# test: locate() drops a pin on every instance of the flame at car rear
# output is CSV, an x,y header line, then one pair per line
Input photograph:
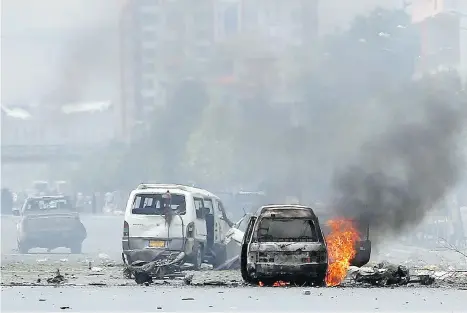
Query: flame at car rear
x,y
341,249
279,283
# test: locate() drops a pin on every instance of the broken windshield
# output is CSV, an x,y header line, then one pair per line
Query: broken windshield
x,y
287,230
158,203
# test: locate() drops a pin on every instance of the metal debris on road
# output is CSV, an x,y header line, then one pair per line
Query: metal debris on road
x,y
57,279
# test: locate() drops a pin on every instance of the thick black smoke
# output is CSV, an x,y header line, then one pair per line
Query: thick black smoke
x,y
402,174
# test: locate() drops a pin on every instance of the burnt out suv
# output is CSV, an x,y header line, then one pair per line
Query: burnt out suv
x,y
284,242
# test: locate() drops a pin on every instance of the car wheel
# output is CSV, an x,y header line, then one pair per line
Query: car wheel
x,y
76,248
319,281
23,248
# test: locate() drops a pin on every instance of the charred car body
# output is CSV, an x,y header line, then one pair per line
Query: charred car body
x,y
49,222
325,213
284,242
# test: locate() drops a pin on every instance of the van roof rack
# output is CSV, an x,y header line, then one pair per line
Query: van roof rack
x,y
162,186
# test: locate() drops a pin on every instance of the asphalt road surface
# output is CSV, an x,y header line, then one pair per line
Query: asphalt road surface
x,y
25,286
252,299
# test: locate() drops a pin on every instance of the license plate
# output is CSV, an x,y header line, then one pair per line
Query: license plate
x,y
156,244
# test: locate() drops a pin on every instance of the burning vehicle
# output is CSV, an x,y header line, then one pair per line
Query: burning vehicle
x,y
167,225
284,243
49,222
362,242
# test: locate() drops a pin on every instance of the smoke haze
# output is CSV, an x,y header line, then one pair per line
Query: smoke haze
x,y
402,174
50,50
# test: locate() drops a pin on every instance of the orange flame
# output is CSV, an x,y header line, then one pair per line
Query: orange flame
x,y
341,249
279,283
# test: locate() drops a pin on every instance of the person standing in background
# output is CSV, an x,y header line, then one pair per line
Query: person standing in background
x,y
7,201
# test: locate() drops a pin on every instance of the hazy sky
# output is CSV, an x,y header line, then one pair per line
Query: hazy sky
x,y
39,36
40,39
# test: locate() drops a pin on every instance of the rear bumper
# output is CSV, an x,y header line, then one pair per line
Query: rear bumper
x,y
48,238
137,249
272,270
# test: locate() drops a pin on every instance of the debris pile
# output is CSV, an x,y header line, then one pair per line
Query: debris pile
x,y
386,274
214,278
57,279
144,272
383,274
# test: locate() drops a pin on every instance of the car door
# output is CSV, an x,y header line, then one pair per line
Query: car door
x,y
245,243
222,225
208,203
200,223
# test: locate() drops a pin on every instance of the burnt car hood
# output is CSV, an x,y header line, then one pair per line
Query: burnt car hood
x,y
286,246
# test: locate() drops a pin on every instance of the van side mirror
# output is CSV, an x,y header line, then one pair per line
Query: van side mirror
x,y
15,212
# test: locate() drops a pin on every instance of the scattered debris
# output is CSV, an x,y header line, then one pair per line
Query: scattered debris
x,y
232,264
57,279
188,279
213,278
160,268
185,299
97,284
159,308
307,292
64,260
64,307
41,300
96,269
384,274
206,267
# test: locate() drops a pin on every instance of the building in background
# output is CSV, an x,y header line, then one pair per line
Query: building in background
x,y
444,36
161,42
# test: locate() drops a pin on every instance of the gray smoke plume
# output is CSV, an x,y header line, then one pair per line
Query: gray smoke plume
x,y
402,174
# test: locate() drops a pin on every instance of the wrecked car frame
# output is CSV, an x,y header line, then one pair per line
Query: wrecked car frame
x,y
284,242
49,222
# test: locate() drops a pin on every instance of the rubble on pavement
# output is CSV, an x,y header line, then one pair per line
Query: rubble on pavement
x,y
387,274
214,278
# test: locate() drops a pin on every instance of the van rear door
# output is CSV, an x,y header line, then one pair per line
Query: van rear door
x,y
200,222
151,214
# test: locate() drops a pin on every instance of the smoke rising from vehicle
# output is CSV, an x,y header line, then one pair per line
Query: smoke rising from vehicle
x,y
403,173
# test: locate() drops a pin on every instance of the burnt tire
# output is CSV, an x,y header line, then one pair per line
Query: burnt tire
x,y
245,275
76,248
319,281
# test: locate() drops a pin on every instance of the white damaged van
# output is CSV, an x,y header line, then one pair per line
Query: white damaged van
x,y
161,219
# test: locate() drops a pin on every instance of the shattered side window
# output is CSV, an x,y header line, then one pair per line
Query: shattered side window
x,y
156,204
287,230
